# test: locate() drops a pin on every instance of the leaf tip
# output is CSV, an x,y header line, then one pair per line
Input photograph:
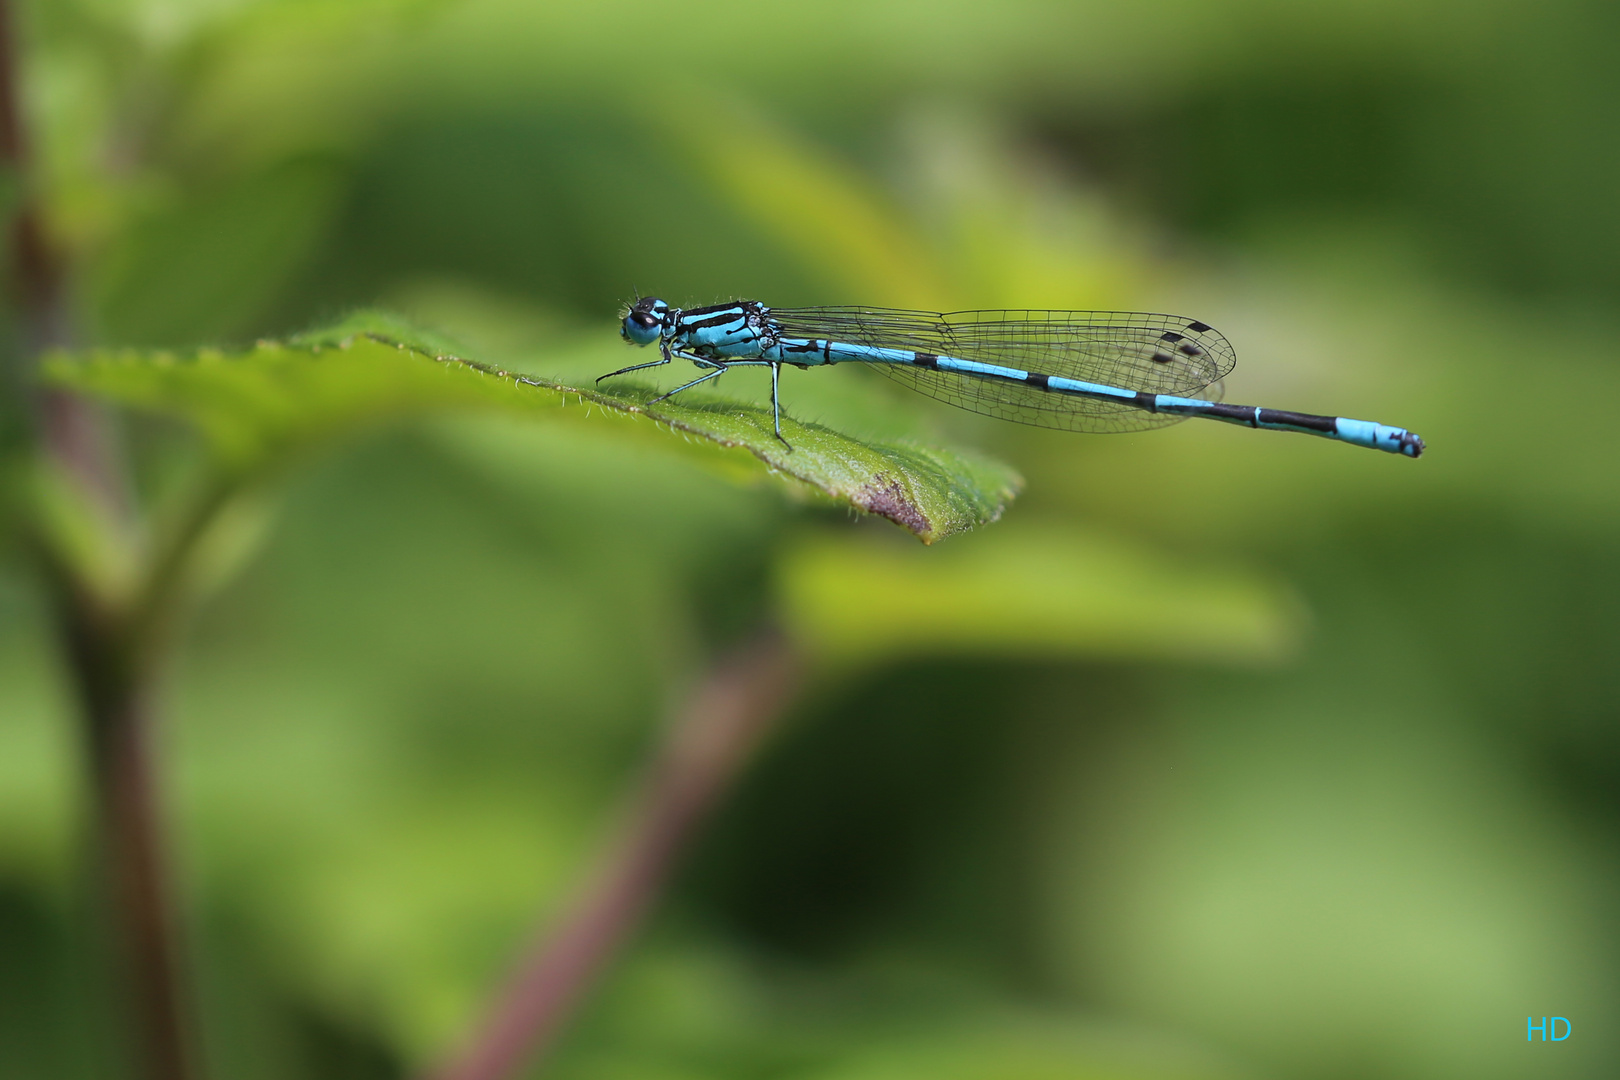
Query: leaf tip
x,y
887,497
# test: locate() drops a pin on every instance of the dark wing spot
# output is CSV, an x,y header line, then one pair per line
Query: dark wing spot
x,y
1171,336
1190,349
1162,358
1199,327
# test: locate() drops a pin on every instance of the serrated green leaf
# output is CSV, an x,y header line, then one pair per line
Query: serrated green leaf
x,y
263,405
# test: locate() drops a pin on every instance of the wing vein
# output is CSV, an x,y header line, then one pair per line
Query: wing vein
x,y
1139,351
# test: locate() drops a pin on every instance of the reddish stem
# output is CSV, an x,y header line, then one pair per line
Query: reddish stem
x,y
131,837
36,276
113,679
706,746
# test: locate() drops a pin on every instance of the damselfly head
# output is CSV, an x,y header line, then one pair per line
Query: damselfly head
x,y
645,321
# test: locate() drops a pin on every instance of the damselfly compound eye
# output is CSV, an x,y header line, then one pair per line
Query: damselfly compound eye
x,y
646,318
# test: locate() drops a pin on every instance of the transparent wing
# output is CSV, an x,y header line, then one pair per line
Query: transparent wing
x,y
1158,354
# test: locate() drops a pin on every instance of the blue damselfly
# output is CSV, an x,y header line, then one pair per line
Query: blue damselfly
x,y
1090,371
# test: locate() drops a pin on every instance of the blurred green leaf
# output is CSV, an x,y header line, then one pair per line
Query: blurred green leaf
x,y
832,218
204,268
259,407
1031,593
1029,1051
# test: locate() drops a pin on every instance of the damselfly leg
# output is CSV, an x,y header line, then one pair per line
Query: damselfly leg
x,y
634,367
719,370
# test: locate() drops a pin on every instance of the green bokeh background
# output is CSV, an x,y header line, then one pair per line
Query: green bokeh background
x,y
1225,754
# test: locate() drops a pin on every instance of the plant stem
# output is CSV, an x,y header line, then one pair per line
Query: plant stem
x,y
706,746
36,274
118,723
111,670
113,649
129,821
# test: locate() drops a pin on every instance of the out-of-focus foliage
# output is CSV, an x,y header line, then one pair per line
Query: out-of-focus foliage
x,y
1031,595
1320,778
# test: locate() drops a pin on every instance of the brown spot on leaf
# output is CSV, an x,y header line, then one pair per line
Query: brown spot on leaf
x,y
885,496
